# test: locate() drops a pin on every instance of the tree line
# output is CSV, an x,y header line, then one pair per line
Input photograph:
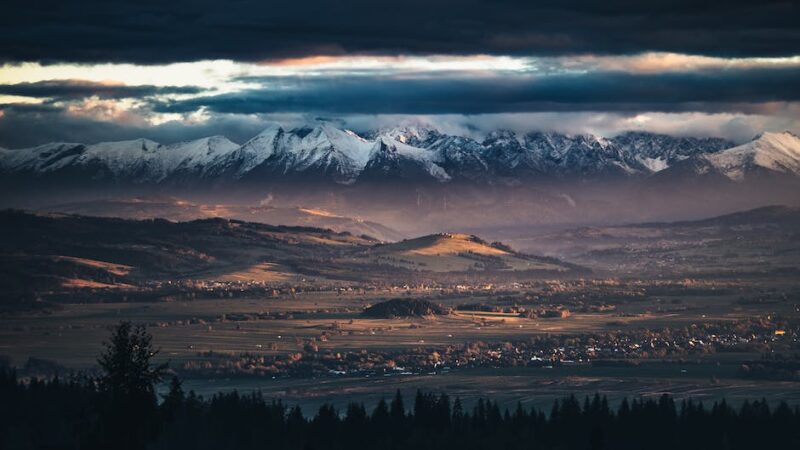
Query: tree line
x,y
121,410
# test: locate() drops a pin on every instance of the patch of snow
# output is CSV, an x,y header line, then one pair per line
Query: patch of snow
x,y
654,164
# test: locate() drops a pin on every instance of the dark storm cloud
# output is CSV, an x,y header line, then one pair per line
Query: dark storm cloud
x,y
150,31
30,125
29,108
731,90
78,89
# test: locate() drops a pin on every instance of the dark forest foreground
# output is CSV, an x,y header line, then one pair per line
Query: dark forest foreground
x,y
120,410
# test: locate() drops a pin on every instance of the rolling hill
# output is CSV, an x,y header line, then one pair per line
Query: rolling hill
x,y
45,253
177,209
762,240
453,252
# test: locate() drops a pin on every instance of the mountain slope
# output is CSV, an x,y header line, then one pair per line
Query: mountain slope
x,y
461,158
772,152
321,151
583,155
185,160
136,161
656,152
390,159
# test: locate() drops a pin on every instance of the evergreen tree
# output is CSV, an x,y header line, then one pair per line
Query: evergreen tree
x,y
128,385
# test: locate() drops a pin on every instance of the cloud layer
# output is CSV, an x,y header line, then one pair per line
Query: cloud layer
x,y
181,69
601,96
30,126
733,90
190,30
78,89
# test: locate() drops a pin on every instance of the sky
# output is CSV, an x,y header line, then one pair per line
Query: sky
x,y
102,70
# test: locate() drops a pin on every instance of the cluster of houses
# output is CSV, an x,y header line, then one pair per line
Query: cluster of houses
x,y
752,335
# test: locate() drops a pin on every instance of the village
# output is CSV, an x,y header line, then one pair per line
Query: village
x,y
761,335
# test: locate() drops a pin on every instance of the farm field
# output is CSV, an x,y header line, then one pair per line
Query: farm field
x,y
72,334
195,331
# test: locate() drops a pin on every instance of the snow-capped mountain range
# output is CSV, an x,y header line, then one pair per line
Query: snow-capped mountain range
x,y
326,152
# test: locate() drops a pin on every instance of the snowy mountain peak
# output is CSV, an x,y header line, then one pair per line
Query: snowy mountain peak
x,y
255,151
196,157
413,134
394,159
502,138
777,152
779,138
324,151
